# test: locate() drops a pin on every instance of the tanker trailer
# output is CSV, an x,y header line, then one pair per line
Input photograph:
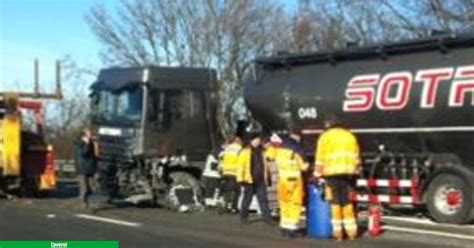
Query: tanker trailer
x,y
411,104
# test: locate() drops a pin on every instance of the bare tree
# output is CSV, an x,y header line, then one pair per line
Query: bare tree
x,y
226,35
334,23
229,34
66,118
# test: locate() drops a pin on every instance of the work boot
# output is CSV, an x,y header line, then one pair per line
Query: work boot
x,y
338,239
352,237
289,234
338,236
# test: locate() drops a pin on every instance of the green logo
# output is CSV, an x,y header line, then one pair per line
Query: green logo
x,y
59,244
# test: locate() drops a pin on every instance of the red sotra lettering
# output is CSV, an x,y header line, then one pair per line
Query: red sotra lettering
x,y
463,84
361,94
400,82
430,80
392,92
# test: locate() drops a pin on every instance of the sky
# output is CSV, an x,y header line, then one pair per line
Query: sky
x,y
47,30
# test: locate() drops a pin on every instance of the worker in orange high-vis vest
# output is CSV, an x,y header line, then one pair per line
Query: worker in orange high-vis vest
x,y
337,161
290,160
230,188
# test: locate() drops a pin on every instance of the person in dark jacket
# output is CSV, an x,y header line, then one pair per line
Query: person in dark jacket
x,y
86,164
254,175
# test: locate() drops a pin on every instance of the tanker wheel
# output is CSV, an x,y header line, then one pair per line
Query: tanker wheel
x,y
181,179
449,199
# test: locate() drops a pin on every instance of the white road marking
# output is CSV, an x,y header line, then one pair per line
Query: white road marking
x,y
426,222
108,220
435,233
50,216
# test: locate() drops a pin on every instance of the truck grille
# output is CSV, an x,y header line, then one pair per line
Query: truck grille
x,y
115,148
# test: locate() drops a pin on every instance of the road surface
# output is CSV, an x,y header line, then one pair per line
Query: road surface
x,y
61,218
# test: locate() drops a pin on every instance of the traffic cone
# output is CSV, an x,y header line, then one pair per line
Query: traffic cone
x,y
375,221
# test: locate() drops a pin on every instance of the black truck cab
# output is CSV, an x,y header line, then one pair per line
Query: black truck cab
x,y
145,117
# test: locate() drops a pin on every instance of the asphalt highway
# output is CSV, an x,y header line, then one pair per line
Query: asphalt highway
x,y
61,218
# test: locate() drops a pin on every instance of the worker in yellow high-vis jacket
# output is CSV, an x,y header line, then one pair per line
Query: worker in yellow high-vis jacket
x,y
253,173
290,160
337,160
230,188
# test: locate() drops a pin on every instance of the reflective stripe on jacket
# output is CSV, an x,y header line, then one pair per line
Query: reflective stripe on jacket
x,y
290,160
229,159
337,152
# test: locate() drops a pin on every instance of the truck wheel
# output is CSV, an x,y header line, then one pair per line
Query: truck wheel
x,y
185,180
449,199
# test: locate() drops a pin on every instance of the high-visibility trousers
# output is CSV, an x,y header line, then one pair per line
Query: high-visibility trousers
x,y
342,210
290,197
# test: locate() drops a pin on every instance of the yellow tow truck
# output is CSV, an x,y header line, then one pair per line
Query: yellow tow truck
x,y
26,160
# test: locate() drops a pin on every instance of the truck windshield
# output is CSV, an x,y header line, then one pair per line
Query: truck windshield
x,y
123,106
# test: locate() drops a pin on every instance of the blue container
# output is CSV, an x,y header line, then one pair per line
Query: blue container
x,y
318,214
